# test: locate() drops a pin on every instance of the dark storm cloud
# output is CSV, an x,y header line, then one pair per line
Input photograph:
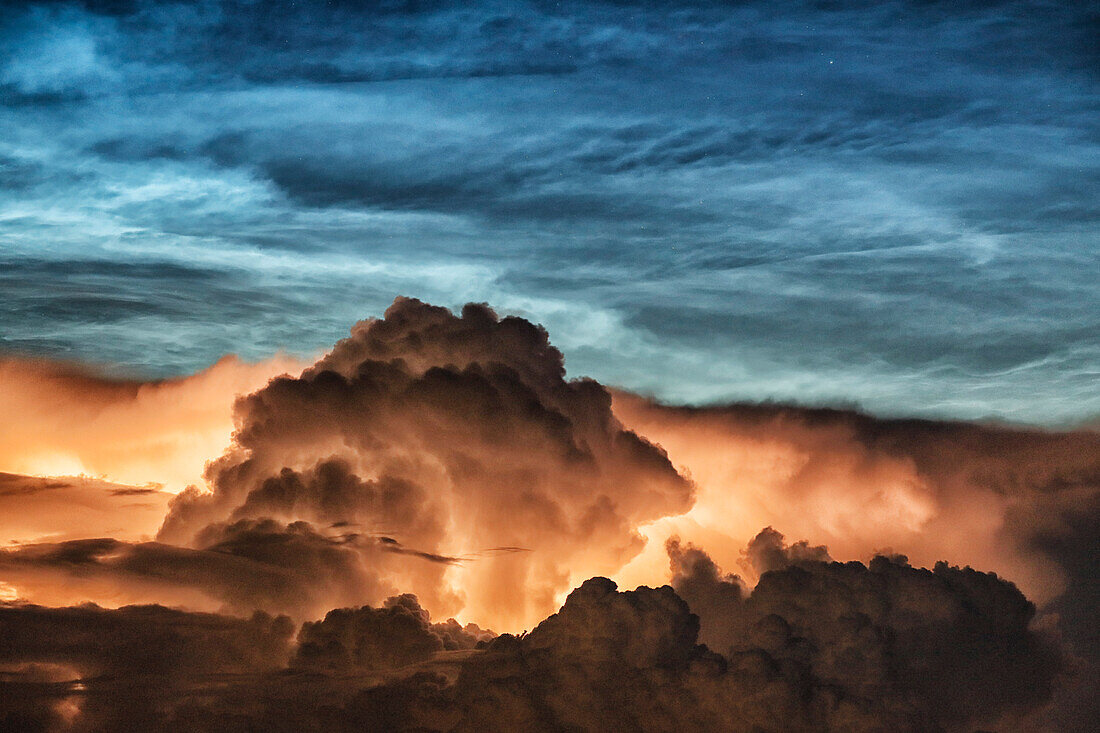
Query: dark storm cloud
x,y
396,635
851,624
86,668
816,646
246,565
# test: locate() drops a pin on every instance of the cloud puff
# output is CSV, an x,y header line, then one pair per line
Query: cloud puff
x,y
397,634
946,648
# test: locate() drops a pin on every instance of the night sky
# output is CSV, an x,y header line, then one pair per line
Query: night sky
x,y
884,204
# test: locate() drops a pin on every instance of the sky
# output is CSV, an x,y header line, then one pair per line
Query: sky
x,y
890,205
295,299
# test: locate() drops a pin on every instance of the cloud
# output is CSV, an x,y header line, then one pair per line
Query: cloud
x,y
818,646
241,566
946,648
396,635
443,462
1013,500
88,668
696,164
767,551
811,643
54,509
451,435
859,484
76,421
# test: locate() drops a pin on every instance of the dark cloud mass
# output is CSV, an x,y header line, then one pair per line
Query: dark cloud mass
x,y
241,566
816,646
890,642
396,635
88,668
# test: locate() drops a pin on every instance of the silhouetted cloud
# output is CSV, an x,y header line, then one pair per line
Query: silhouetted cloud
x,y
396,635
87,668
245,565
816,646
896,642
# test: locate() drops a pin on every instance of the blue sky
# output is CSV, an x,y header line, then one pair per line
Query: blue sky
x,y
894,205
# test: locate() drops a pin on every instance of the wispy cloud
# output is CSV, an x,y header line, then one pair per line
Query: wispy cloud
x,y
880,194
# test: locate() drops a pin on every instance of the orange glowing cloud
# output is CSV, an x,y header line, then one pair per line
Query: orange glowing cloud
x,y
447,456
67,420
861,485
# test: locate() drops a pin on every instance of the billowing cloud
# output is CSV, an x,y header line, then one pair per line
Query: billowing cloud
x,y
978,494
816,646
439,454
396,635
435,464
451,436
946,648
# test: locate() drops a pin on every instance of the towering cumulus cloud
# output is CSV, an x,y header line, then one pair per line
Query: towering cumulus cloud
x,y
427,438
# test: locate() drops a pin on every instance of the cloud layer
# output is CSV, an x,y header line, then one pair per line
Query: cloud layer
x,y
440,465
888,203
816,646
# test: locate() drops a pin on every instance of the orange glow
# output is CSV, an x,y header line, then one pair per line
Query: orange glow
x,y
69,421
820,482
813,478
